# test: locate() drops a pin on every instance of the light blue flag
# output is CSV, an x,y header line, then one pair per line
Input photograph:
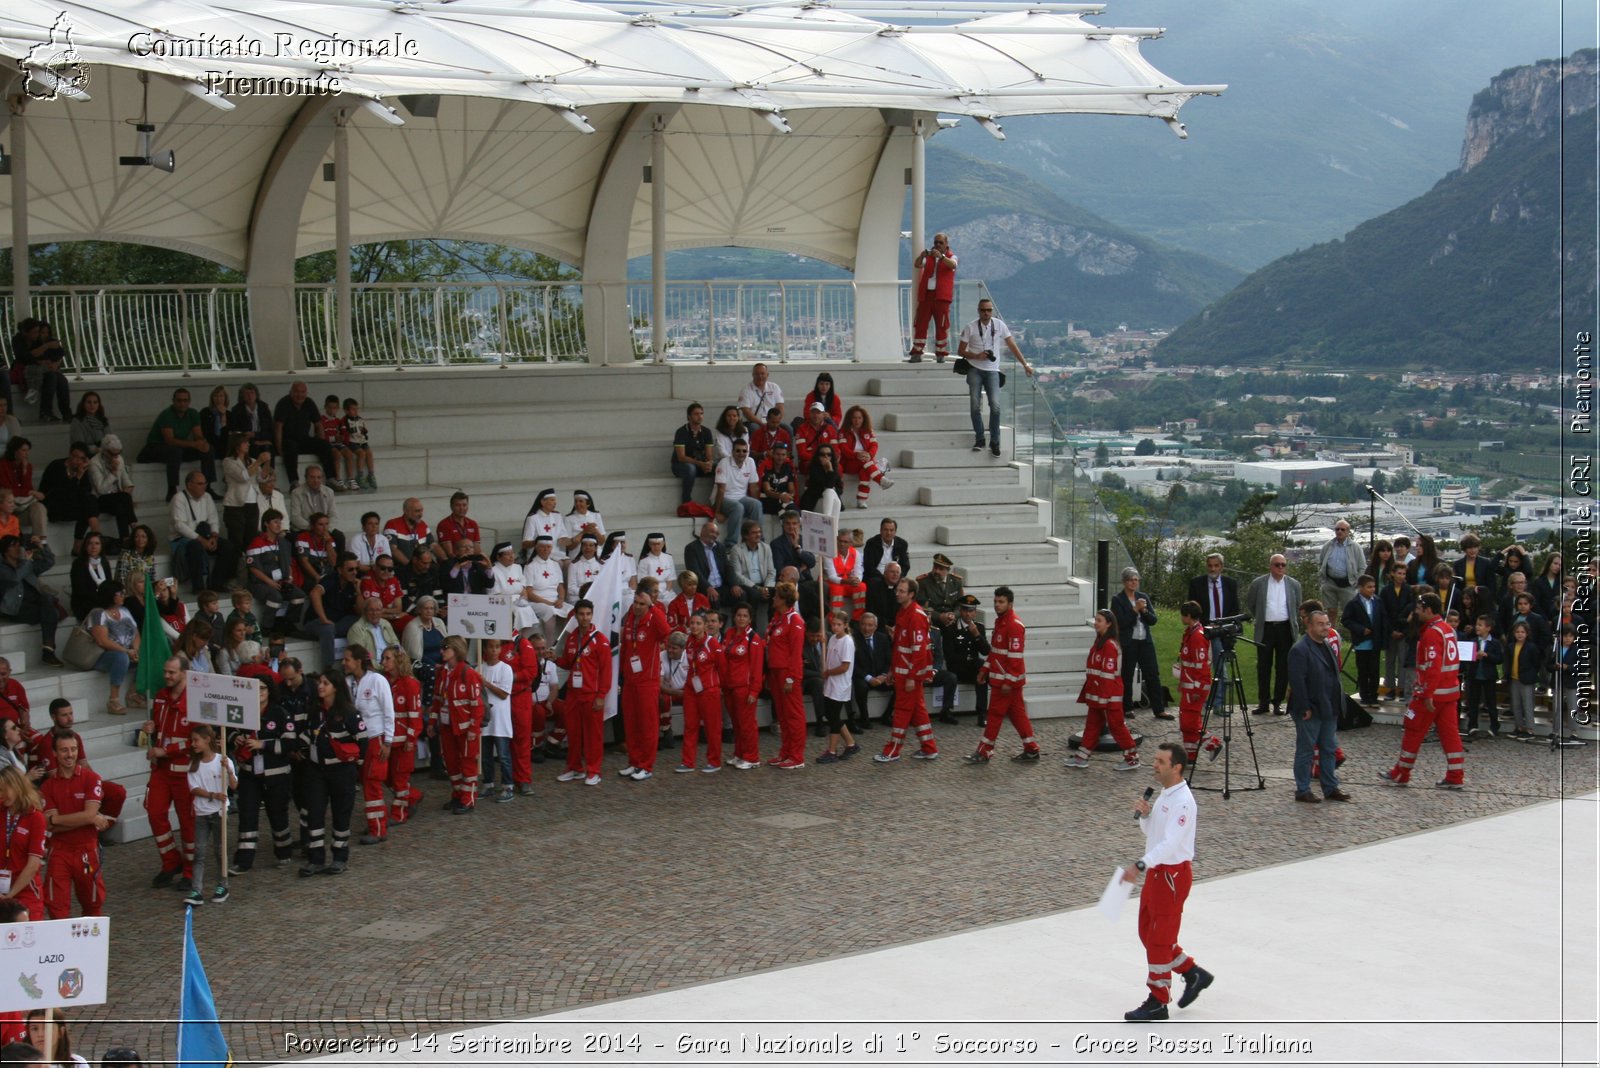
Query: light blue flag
x,y
200,1040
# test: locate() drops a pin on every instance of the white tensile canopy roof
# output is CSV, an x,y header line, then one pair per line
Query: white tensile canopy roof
x,y
534,103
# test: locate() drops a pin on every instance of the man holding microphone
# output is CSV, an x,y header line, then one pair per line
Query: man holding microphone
x,y
1169,825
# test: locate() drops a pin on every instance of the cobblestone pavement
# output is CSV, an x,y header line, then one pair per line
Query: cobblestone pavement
x,y
581,894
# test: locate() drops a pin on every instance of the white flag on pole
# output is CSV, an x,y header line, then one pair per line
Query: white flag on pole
x,y
611,597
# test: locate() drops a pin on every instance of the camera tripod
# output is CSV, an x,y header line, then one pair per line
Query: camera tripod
x,y
1227,700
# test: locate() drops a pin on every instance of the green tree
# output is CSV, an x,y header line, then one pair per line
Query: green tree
x,y
1146,447
1102,455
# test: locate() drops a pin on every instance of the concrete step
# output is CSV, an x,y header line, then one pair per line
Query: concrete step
x,y
929,380
989,533
964,459
988,490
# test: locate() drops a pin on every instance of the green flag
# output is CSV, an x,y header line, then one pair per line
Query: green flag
x,y
154,649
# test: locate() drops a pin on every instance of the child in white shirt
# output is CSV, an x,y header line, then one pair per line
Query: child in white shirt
x,y
498,680
211,777
839,664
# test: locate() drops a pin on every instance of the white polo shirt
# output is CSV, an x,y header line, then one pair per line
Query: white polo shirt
x,y
979,337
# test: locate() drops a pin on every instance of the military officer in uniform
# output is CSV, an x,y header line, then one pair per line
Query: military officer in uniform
x,y
966,647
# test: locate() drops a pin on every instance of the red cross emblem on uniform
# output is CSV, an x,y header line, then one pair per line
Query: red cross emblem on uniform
x,y
660,571
545,575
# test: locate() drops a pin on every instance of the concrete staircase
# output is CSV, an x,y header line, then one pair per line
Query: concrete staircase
x,y
502,435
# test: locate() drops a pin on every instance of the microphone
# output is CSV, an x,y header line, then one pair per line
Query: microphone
x,y
1149,792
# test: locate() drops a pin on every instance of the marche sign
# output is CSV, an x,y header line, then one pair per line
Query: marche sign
x,y
480,615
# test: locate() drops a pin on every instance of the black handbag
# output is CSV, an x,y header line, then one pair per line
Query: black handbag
x,y
961,366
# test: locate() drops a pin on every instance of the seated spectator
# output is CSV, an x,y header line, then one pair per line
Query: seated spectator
x,y
92,571
708,559
786,550
22,598
408,533
40,354
729,428
343,471
235,634
824,484
887,546
135,563
423,640
90,424
469,572
966,651
311,497
881,601
14,698
272,571
737,497
811,435
13,747
846,587
823,393
358,440
243,604
543,591
583,519
16,475
198,548
194,642
297,430
9,427
693,451
779,483
761,400
175,438
370,544
113,483
753,570
241,498
116,632
422,577
314,552
458,527
769,435
169,605
656,562
858,454
382,582
214,421
940,591
372,632
10,525
584,567
252,416
333,606
544,519
871,669
69,495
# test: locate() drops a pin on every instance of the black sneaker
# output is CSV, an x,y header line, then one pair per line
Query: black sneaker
x,y
312,869
48,655
1150,1010
336,868
1027,756
163,879
220,895
1195,980
995,448
978,446
182,883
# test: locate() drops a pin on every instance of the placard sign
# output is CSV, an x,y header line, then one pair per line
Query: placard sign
x,y
819,533
480,615
54,964
224,701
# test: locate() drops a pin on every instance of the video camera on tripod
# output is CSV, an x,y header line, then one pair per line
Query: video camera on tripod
x,y
1225,629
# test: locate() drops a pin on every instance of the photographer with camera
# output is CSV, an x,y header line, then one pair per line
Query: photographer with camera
x,y
979,340
936,289
22,598
1193,672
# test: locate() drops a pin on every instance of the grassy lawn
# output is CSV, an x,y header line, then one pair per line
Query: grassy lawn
x,y
1168,634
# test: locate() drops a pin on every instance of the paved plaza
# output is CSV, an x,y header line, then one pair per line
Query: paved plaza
x,y
579,895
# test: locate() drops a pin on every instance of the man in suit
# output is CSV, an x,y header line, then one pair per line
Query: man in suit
x,y
1273,602
1216,594
1135,616
1363,621
883,549
871,671
880,595
1314,700
708,559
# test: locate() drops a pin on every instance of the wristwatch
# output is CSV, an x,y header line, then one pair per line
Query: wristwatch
x,y
1138,866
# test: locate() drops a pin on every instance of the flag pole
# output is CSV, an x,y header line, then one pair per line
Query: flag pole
x,y
222,833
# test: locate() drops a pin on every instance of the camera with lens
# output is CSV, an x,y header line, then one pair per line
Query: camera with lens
x,y
1225,628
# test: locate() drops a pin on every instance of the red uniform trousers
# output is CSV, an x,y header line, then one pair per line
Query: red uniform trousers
x,y
1191,722
402,762
74,868
641,715
1166,888
586,744
460,749
522,735
170,789
702,710
1442,719
789,710
937,312
1002,707
1110,718
911,710
666,705
374,774
741,706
